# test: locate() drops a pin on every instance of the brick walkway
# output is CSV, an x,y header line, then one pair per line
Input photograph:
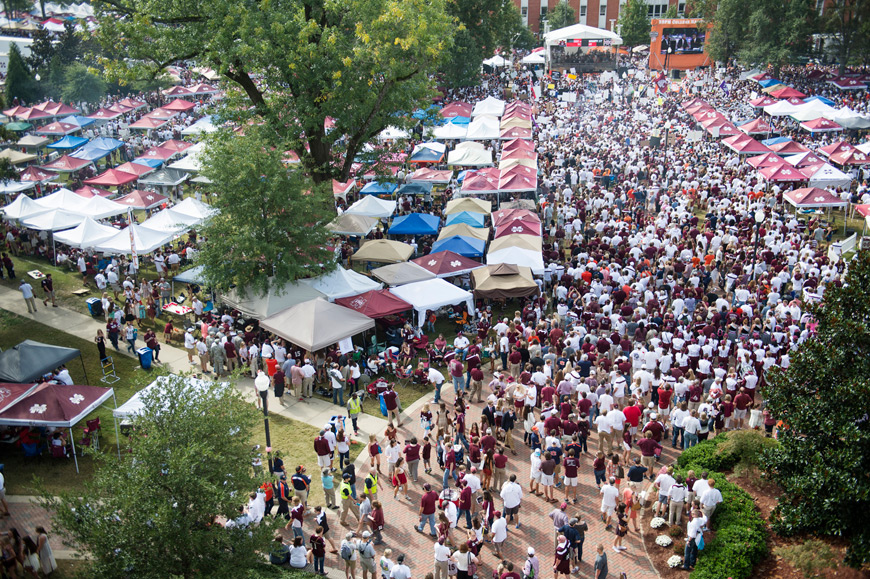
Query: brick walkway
x,y
25,515
536,529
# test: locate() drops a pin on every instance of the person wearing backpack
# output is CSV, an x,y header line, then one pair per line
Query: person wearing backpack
x,y
349,553
531,568
367,556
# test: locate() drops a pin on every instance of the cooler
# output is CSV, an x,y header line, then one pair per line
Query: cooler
x,y
95,306
146,355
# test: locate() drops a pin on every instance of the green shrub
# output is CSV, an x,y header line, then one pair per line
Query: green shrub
x,y
810,557
744,447
679,548
705,455
675,531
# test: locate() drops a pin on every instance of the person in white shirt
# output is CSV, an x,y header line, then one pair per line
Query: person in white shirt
x,y
609,496
664,482
460,345
694,533
436,378
710,499
676,500
691,426
605,431
27,294
63,376
512,496
498,531
189,344
442,554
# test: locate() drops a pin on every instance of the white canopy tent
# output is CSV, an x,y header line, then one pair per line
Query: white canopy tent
x,y
316,324
63,199
489,106
579,32
782,109
812,110
145,241
371,206
202,126
496,61
433,294
470,154
87,234
483,128
11,187
392,133
849,119
450,132
342,283
53,220
262,306
534,58
194,208
828,176
170,221
99,207
518,256
23,207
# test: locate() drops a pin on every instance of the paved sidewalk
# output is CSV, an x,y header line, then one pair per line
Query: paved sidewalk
x,y
25,515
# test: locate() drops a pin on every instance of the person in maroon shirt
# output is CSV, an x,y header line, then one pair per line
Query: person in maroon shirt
x,y
648,448
391,400
552,425
632,414
464,503
428,506
232,357
547,394
509,573
665,394
571,464
584,404
741,404
655,427
412,456
488,441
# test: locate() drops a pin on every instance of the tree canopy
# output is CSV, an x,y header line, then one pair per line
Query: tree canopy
x,y
562,15
823,401
270,229
20,81
634,24
293,63
152,514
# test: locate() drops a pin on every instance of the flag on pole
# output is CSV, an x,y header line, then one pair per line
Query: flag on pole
x,y
130,222
661,82
725,88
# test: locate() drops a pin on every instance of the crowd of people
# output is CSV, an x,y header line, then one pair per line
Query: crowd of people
x,y
663,305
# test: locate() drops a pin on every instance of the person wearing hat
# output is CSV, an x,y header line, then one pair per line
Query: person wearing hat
x,y
498,533
349,553
531,568
367,555
189,343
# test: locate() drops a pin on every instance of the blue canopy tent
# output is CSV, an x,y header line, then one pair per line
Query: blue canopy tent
x,y
91,152
472,219
424,154
68,142
431,115
460,120
415,189
79,120
107,143
153,163
461,176
377,188
822,99
770,82
415,224
775,141
461,244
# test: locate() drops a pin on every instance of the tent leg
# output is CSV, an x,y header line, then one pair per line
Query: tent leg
x,y
82,360
115,420
73,442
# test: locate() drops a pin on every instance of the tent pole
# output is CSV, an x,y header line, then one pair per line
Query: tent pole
x,y
82,360
73,442
115,420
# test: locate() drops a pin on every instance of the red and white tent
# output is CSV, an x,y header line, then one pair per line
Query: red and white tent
x,y
813,197
427,175
757,127
112,178
765,160
745,145
853,157
447,263
67,164
821,125
838,147
782,173
849,83
788,148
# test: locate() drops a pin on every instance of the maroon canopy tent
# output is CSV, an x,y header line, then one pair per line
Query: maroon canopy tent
x,y
375,303
112,178
11,393
447,263
56,405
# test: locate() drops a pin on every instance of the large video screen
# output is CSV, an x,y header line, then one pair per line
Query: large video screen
x,y
683,40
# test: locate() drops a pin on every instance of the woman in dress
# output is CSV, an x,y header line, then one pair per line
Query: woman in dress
x,y
400,479
621,528
631,504
562,562
43,548
100,340
488,467
374,452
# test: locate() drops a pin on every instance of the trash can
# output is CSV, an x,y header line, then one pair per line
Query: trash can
x,y
146,355
95,306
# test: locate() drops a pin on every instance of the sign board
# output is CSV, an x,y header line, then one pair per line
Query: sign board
x,y
345,346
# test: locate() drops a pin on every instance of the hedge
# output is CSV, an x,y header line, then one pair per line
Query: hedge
x,y
741,535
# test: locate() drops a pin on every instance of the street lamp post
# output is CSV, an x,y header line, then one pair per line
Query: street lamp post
x,y
759,219
261,382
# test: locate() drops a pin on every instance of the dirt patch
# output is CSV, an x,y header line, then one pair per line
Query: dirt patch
x,y
659,555
765,495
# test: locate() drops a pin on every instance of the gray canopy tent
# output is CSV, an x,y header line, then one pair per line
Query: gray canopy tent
x,y
29,361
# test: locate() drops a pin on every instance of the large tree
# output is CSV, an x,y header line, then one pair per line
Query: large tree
x,y
295,62
270,229
823,401
20,81
729,31
634,23
849,21
777,32
561,16
153,513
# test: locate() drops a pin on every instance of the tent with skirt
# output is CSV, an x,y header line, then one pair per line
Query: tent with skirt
x,y
375,304
29,361
503,281
813,198
58,406
316,324
341,283
432,295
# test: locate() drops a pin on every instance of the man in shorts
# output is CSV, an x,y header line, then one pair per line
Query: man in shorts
x,y
512,496
572,465
609,496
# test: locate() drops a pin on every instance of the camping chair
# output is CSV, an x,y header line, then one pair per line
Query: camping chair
x,y
377,346
92,433
421,344
59,452
209,306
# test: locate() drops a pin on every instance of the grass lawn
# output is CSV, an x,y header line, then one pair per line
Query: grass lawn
x,y
292,438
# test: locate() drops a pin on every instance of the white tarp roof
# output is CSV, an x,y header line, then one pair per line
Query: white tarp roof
x,y
849,119
170,221
812,110
194,208
342,283
829,176
23,207
63,199
518,256
261,307
496,60
489,106
144,240
16,187
87,234
316,324
371,206
469,157
392,133
431,295
534,58
781,109
203,125
450,131
53,220
581,32
483,128
99,207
